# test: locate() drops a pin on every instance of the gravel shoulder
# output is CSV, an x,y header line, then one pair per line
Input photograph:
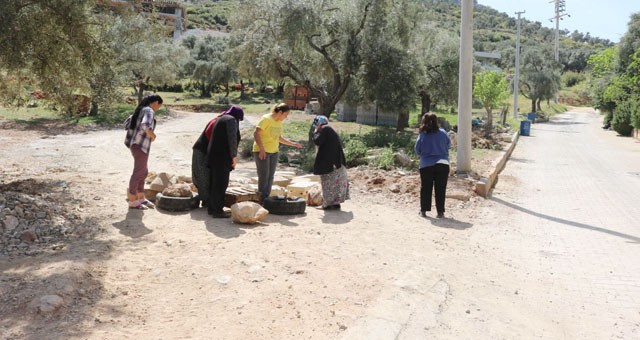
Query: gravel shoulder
x,y
121,273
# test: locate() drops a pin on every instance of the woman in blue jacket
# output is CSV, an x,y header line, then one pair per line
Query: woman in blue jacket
x,y
433,148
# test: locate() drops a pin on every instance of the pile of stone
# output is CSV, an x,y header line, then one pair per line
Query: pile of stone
x,y
34,216
169,185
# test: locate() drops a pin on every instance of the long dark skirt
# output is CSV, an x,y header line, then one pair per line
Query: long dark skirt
x,y
200,174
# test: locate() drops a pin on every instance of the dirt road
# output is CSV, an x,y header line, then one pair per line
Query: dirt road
x,y
532,262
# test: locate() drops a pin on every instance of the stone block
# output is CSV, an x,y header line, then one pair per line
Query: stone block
x,y
247,212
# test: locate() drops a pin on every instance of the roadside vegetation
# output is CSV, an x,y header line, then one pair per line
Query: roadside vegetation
x,y
400,55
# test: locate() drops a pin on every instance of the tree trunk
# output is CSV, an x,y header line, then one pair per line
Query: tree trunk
x,y
327,105
489,124
280,87
403,121
205,91
242,94
425,99
533,104
141,89
538,105
94,108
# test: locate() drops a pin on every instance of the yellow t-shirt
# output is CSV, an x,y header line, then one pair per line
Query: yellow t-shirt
x,y
270,131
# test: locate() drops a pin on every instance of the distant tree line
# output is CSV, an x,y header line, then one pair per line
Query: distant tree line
x,y
395,53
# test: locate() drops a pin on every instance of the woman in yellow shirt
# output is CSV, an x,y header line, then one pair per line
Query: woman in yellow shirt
x,y
267,139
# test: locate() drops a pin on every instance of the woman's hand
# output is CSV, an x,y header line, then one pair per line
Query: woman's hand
x,y
262,155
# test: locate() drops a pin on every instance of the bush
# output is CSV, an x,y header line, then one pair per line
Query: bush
x,y
622,116
307,159
635,113
380,138
246,146
114,115
385,160
222,100
571,78
355,152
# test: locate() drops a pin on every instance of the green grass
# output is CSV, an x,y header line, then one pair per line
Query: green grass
x,y
253,103
27,114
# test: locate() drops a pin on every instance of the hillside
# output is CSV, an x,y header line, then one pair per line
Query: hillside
x,y
494,31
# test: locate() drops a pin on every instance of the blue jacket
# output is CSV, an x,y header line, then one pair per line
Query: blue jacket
x,y
432,147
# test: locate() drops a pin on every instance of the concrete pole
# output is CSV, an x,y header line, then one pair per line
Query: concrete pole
x,y
465,88
516,78
557,38
177,32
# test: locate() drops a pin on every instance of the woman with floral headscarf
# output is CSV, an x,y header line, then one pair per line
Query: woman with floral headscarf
x,y
330,164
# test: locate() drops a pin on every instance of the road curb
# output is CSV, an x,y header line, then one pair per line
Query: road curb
x,y
484,185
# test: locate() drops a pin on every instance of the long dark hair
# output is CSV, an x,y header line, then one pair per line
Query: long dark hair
x,y
146,101
429,123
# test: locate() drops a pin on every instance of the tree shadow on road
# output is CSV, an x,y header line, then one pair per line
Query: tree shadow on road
x,y
631,238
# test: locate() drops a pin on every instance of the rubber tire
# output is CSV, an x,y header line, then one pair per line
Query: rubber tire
x,y
284,206
177,203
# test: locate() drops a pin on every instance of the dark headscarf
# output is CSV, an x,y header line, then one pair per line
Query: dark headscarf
x,y
235,111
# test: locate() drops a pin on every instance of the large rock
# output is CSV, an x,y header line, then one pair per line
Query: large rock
x,y
402,159
161,182
178,190
247,212
46,304
315,198
10,223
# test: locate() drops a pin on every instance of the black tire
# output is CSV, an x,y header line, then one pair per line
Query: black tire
x,y
284,206
176,203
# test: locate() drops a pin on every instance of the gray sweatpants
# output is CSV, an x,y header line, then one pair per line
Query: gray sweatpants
x,y
266,170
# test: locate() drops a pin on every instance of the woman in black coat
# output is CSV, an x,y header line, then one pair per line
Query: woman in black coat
x,y
330,164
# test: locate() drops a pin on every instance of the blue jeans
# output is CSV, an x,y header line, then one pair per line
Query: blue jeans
x,y
266,170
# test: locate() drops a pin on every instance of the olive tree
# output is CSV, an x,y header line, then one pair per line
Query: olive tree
x,y
436,52
52,42
207,65
490,88
143,54
540,76
317,43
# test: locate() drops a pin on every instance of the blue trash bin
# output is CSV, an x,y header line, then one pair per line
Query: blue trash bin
x,y
525,127
531,116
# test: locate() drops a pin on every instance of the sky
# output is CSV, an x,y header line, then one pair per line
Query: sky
x,y
605,19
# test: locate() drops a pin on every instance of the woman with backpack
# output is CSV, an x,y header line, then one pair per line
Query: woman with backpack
x,y
140,133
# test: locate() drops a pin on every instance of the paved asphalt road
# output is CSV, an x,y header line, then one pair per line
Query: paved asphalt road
x,y
573,191
554,254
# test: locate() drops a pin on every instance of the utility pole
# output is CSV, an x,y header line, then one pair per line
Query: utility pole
x,y
559,10
515,79
463,164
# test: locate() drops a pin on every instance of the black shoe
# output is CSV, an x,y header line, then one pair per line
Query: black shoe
x,y
440,215
422,214
221,214
336,207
